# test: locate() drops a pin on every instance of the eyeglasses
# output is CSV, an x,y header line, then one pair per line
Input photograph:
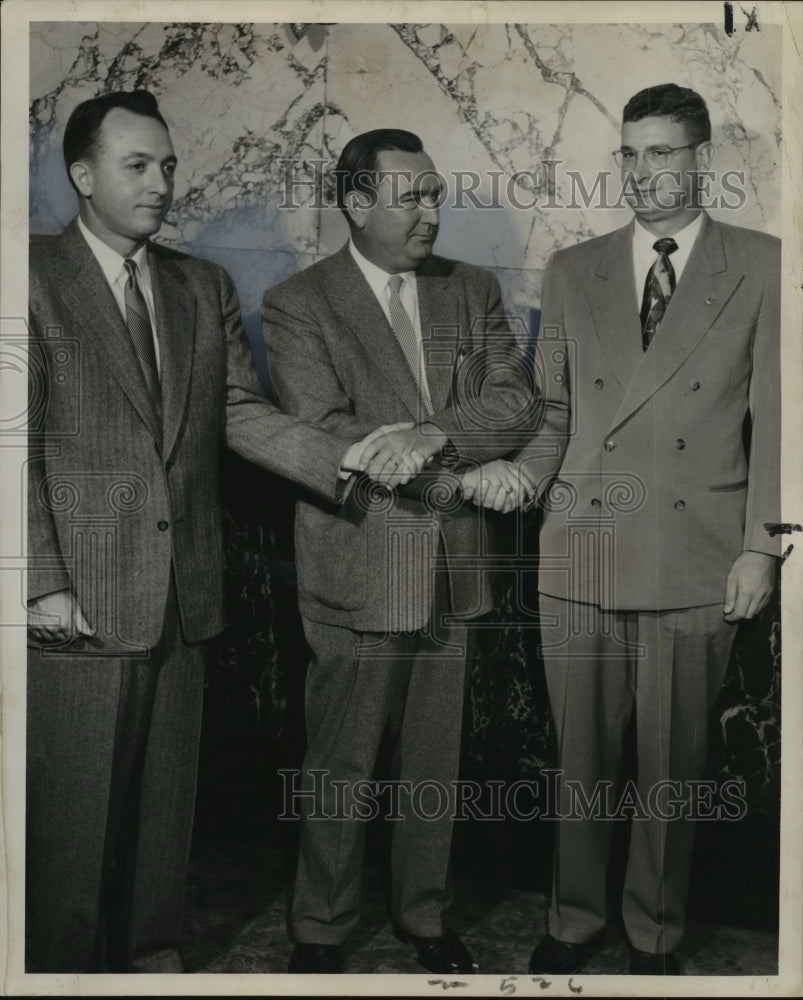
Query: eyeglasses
x,y
656,157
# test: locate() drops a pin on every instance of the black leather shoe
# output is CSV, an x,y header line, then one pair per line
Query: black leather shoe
x,y
561,958
645,963
445,954
322,958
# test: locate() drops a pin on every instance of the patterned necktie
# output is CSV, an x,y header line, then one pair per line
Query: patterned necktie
x,y
405,334
658,289
139,326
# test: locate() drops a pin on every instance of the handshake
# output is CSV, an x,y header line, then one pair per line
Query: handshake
x,y
394,454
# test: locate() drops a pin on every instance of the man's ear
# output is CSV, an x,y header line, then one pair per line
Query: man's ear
x,y
81,174
357,204
704,155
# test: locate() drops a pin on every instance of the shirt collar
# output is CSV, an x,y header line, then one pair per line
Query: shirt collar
x,y
643,239
110,261
375,276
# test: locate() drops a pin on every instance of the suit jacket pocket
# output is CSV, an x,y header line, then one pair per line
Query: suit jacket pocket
x,y
729,487
330,558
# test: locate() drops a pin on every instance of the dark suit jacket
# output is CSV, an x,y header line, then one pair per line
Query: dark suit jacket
x,y
337,363
655,495
115,500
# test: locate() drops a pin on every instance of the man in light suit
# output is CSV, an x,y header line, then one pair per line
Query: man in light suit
x,y
654,540
139,370
383,332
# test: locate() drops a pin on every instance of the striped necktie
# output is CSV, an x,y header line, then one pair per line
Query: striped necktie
x,y
405,334
139,327
658,289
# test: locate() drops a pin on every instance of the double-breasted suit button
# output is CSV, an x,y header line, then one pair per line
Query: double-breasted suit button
x,y
695,386
599,382
680,444
162,525
595,502
709,301
680,505
610,445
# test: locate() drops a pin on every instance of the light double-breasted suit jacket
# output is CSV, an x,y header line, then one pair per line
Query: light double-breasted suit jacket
x,y
115,500
336,362
654,492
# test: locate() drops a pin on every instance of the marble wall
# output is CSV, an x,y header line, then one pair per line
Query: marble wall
x,y
248,102
251,105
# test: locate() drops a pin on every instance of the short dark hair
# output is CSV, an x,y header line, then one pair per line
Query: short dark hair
x,y
671,101
356,168
83,127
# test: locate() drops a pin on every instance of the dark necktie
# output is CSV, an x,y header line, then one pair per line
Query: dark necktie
x,y
405,334
658,289
139,326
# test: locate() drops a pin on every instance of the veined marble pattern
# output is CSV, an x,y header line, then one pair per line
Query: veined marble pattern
x,y
246,100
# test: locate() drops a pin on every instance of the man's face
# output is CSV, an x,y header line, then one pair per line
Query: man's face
x,y
661,196
128,183
399,229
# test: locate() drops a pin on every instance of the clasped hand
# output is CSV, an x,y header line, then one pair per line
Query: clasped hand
x,y
395,453
499,485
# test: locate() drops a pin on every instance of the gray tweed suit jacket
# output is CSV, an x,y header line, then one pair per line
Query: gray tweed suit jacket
x,y
336,362
115,500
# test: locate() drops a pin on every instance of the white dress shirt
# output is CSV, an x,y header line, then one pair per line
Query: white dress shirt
x,y
113,267
408,294
644,256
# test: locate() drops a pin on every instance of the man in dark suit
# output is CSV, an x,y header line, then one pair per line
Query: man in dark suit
x,y
383,331
654,540
139,368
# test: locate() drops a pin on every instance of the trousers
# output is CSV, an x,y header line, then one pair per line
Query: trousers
x,y
667,667
112,757
357,683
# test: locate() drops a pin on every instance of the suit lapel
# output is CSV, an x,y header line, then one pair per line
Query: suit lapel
x,y
358,307
612,298
87,295
175,325
701,294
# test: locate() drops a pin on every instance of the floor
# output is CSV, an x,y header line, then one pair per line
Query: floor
x,y
236,923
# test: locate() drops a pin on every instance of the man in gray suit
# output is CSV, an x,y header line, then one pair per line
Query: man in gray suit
x,y
654,540
139,368
385,332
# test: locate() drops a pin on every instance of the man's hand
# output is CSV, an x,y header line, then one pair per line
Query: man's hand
x,y
751,581
498,485
354,456
397,453
57,617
